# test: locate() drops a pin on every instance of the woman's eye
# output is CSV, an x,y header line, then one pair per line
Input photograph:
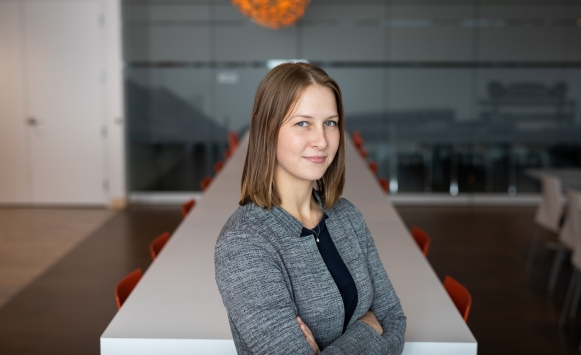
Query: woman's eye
x,y
302,124
330,123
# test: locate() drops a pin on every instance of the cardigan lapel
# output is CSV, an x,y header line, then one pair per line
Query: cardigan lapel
x,y
349,249
346,242
308,262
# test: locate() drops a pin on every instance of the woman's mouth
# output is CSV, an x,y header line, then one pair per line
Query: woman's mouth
x,y
316,160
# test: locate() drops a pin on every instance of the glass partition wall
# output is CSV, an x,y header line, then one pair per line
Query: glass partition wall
x,y
450,97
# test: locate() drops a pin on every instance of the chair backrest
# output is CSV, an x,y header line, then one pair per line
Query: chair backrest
x,y
459,295
125,286
357,139
384,185
232,140
373,167
422,239
228,153
187,207
363,152
218,166
551,208
205,183
571,229
157,244
576,258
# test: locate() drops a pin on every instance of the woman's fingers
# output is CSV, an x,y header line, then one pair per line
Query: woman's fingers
x,y
305,329
311,341
369,318
308,335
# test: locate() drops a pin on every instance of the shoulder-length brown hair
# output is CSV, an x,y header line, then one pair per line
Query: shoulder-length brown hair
x,y
276,96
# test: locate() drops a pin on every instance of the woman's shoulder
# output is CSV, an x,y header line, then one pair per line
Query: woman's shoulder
x,y
244,223
245,235
346,209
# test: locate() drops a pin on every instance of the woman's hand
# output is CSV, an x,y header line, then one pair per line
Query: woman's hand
x,y
370,319
309,336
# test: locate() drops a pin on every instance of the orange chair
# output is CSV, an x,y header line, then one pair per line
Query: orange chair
x,y
384,185
422,239
357,139
373,167
186,207
459,295
218,166
125,286
363,152
205,183
228,154
157,244
232,141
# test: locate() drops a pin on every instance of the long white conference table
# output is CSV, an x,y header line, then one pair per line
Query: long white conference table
x,y
176,307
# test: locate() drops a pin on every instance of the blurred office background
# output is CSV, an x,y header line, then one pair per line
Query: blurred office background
x,y
108,102
452,97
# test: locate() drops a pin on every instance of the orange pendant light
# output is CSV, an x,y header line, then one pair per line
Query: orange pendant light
x,y
273,13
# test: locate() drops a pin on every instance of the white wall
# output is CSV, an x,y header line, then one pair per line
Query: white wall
x,y
114,109
13,151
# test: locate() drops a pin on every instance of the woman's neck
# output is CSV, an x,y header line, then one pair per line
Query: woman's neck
x,y
299,202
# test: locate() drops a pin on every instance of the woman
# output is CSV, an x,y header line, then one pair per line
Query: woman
x,y
297,267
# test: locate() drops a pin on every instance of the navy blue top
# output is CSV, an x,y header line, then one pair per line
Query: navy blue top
x,y
336,266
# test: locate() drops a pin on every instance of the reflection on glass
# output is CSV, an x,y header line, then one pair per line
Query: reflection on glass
x,y
173,141
517,125
454,127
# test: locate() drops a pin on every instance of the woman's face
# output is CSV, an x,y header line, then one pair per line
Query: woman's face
x,y
309,137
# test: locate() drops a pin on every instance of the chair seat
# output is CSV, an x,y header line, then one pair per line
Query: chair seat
x,y
460,296
157,244
422,239
126,286
187,207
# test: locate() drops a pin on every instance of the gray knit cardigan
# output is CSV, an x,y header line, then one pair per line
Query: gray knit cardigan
x,y
268,275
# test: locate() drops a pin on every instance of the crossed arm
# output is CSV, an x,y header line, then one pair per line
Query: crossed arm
x,y
368,318
253,288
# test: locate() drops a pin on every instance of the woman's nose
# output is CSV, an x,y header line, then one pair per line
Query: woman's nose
x,y
319,138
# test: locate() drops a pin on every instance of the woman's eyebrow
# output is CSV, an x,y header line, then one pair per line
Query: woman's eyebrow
x,y
303,116
311,117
